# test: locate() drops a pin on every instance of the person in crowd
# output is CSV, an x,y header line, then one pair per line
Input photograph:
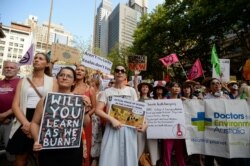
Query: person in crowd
x,y
215,88
7,91
159,91
244,92
187,92
81,88
96,127
233,87
216,92
119,145
63,156
177,144
151,145
29,91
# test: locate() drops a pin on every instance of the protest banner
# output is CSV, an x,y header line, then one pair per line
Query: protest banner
x,y
57,67
128,112
218,127
165,119
96,62
137,62
225,70
65,53
62,121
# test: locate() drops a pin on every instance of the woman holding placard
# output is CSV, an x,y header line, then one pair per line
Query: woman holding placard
x,y
177,144
69,156
28,93
119,145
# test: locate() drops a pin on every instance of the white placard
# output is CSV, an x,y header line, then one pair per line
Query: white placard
x,y
96,62
225,70
165,119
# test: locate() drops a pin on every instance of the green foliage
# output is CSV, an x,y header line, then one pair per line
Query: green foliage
x,y
119,56
189,28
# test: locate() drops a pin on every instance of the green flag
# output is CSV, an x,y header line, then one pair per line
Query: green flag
x,y
215,61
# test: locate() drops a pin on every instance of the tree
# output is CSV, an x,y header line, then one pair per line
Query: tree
x,y
189,28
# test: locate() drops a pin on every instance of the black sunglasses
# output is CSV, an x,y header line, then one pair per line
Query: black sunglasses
x,y
120,70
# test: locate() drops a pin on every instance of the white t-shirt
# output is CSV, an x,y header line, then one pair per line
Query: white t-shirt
x,y
126,92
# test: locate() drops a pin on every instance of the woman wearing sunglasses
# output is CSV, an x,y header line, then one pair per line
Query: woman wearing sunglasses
x,y
119,144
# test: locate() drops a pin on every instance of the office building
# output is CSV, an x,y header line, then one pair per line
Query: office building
x,y
102,26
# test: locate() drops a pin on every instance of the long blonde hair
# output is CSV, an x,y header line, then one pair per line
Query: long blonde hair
x,y
244,92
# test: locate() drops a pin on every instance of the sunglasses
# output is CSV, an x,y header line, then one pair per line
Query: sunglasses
x,y
120,70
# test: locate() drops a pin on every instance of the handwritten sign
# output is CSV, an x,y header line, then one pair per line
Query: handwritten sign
x,y
96,62
165,119
62,121
128,112
137,62
65,53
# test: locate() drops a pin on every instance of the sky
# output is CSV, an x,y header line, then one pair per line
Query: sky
x,y
77,16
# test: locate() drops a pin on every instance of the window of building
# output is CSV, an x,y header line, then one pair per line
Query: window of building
x,y
1,48
9,55
10,43
21,45
20,51
2,42
16,44
22,39
11,37
9,49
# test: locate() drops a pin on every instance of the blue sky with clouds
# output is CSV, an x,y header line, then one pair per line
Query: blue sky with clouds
x,y
76,15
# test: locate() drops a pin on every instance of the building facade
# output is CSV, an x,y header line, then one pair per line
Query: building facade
x,y
123,22
15,43
18,37
102,27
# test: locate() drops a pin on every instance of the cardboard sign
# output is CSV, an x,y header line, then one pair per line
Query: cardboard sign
x,y
62,121
96,62
65,53
128,112
137,62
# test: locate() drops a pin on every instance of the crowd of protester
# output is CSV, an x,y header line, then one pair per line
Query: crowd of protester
x,y
105,141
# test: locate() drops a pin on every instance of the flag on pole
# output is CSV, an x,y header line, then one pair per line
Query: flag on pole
x,y
215,61
170,59
28,56
196,71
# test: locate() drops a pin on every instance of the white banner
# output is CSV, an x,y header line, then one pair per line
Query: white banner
x,y
225,70
96,62
165,119
218,127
